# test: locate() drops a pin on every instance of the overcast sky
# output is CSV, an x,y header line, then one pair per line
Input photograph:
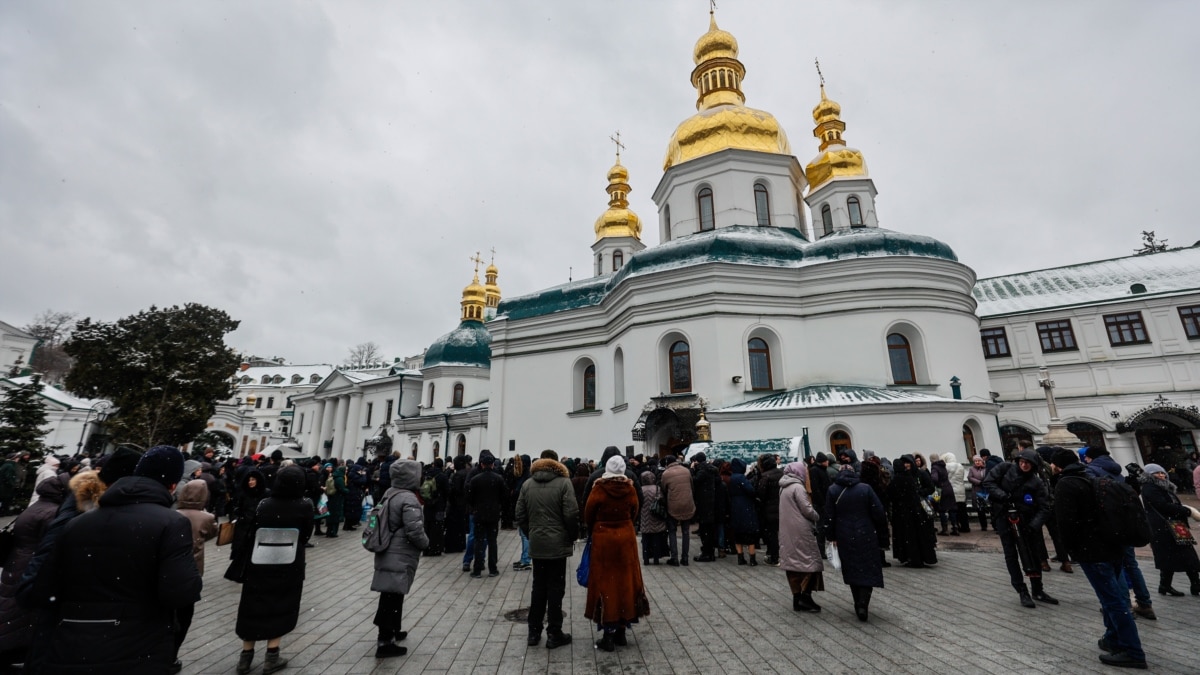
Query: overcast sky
x,y
322,171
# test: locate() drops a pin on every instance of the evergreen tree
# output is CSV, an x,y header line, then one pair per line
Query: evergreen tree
x,y
163,369
21,420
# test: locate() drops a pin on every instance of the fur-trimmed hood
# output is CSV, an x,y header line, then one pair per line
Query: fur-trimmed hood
x,y
87,487
548,469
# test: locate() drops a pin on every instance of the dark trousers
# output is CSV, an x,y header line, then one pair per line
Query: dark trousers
x,y
485,537
708,539
1012,559
964,519
183,621
685,530
549,587
770,533
388,615
982,507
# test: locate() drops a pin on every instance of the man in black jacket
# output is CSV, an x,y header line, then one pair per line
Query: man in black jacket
x,y
119,572
705,478
1020,505
1076,509
486,493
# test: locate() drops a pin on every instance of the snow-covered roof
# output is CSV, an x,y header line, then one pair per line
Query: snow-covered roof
x,y
747,450
9,329
833,395
305,371
1090,283
362,375
59,396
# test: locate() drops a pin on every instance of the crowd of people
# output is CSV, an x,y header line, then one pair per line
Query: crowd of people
x,y
106,561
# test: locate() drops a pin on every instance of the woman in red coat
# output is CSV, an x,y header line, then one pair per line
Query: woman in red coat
x,y
616,596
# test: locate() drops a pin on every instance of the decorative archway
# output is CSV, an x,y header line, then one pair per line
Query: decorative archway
x,y
668,424
1159,430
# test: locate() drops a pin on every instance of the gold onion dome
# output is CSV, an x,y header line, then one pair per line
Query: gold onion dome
x,y
835,159
618,220
722,120
474,297
491,288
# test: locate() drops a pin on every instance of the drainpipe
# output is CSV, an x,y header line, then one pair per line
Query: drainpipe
x,y
446,444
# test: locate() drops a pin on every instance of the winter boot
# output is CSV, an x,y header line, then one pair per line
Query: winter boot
x,y
796,603
741,559
388,649
556,639
1145,611
275,663
1039,593
1027,601
944,531
753,560
606,643
618,637
245,662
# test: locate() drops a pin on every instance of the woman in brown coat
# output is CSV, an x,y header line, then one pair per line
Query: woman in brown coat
x,y
616,596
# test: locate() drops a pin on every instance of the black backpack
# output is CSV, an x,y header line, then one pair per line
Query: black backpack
x,y
1120,516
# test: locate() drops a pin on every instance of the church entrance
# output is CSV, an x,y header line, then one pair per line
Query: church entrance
x,y
667,426
1164,434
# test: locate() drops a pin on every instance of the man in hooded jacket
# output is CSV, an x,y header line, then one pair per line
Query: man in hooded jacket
x,y
1020,506
548,513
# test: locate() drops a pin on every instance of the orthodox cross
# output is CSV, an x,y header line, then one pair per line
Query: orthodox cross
x,y
819,75
477,260
712,6
493,255
620,146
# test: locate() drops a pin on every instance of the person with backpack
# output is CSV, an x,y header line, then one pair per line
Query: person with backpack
x,y
1020,505
401,526
1086,537
1099,463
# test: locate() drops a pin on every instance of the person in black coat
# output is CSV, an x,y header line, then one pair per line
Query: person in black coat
x,y
706,489
118,574
1020,506
252,490
435,507
854,518
819,479
356,491
486,493
768,499
270,602
455,540
1162,507
913,540
873,477
16,622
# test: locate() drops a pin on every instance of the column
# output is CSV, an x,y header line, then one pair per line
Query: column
x,y
339,425
326,426
353,427
315,429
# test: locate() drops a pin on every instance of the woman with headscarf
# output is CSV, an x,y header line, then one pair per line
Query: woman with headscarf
x,y
913,540
975,476
455,540
1163,507
396,567
654,529
270,603
854,517
799,555
947,508
616,596
521,464
873,477
743,512
251,490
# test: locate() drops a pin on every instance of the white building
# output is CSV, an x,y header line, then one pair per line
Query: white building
x,y
16,348
859,335
1121,341
72,423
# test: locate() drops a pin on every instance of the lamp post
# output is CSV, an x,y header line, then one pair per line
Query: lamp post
x,y
100,408
1057,433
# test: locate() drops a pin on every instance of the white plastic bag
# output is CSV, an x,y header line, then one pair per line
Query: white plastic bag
x,y
831,552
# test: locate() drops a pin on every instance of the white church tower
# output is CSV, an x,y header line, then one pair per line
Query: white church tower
x,y
842,195
618,230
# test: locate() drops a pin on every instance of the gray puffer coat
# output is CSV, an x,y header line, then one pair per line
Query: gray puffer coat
x,y
548,512
396,567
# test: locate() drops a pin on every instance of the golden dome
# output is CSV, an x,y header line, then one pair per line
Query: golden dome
x,y
618,220
491,270
473,299
491,289
835,159
722,120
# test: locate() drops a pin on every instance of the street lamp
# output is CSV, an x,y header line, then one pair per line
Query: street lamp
x,y
100,408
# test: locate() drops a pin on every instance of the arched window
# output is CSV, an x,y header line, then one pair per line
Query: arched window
x,y
599,263
760,364
462,444
855,211
414,449
296,379
667,223
762,205
458,395
245,380
266,379
619,377
430,395
681,368
839,440
437,449
315,379
827,219
704,200
900,356
589,388
969,442
278,379
618,260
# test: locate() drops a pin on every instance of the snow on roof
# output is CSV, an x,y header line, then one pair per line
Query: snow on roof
x,y
1089,283
363,375
747,450
59,396
9,329
833,395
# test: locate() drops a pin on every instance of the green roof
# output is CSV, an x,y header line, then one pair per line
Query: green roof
x,y
467,345
736,245
747,450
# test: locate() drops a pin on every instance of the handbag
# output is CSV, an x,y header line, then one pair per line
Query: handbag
x,y
1181,532
831,552
658,508
275,546
225,533
322,507
585,565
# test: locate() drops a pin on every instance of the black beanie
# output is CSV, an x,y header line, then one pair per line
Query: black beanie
x,y
163,463
1095,453
119,465
550,454
486,457
1062,458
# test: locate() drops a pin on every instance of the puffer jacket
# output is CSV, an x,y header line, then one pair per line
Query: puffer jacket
x,y
396,567
957,476
676,482
798,551
1006,484
547,511
649,523
191,504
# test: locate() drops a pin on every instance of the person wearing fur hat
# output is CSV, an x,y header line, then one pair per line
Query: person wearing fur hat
x,y
1020,506
486,493
616,595
1164,511
548,513
120,572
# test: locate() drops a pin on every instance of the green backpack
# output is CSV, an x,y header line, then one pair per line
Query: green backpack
x,y
429,489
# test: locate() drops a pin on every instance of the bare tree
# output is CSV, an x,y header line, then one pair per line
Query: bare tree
x,y
1151,244
53,329
363,354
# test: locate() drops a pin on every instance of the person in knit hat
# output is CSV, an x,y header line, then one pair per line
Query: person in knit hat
x,y
135,553
486,493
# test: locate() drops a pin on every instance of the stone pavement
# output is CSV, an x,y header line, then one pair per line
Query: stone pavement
x,y
959,617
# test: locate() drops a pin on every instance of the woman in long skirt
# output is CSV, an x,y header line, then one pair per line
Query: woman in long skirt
x,y
854,517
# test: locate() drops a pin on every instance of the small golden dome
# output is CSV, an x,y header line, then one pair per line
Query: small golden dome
x,y
492,270
618,220
474,298
715,43
835,159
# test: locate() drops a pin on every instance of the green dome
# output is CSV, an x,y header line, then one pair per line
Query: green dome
x,y
869,242
467,345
